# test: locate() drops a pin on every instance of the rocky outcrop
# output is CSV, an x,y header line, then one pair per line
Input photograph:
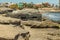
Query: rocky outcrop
x,y
42,24
28,14
8,20
11,29
54,35
25,11
9,32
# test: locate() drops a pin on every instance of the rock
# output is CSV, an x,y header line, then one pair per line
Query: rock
x,y
18,12
5,39
49,24
4,10
42,24
55,33
30,23
53,38
9,32
26,14
8,20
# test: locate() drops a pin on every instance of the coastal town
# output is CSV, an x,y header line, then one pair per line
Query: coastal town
x,y
29,21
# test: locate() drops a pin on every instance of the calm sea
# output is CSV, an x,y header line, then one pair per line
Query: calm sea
x,y
52,16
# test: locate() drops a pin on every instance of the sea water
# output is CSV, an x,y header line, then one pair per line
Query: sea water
x,y
52,16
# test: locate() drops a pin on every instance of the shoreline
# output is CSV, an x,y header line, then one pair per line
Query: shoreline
x,y
52,10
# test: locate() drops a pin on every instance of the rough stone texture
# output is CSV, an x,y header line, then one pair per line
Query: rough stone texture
x,y
44,33
27,12
42,24
8,20
11,32
11,29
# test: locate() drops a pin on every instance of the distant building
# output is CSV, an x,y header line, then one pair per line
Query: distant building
x,y
46,4
38,5
21,5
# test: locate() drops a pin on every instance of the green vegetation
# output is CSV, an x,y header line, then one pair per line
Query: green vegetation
x,y
30,5
20,5
14,6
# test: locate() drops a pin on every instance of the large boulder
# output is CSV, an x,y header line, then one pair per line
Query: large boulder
x,y
4,10
17,13
30,23
42,24
9,32
8,20
49,24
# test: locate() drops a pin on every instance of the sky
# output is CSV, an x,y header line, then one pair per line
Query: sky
x,y
34,1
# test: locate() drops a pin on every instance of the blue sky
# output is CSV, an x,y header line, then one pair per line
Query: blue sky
x,y
34,1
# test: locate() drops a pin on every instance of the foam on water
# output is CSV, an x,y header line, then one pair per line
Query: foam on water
x,y
52,16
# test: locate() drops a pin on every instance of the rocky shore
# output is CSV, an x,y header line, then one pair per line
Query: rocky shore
x,y
14,28
11,29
